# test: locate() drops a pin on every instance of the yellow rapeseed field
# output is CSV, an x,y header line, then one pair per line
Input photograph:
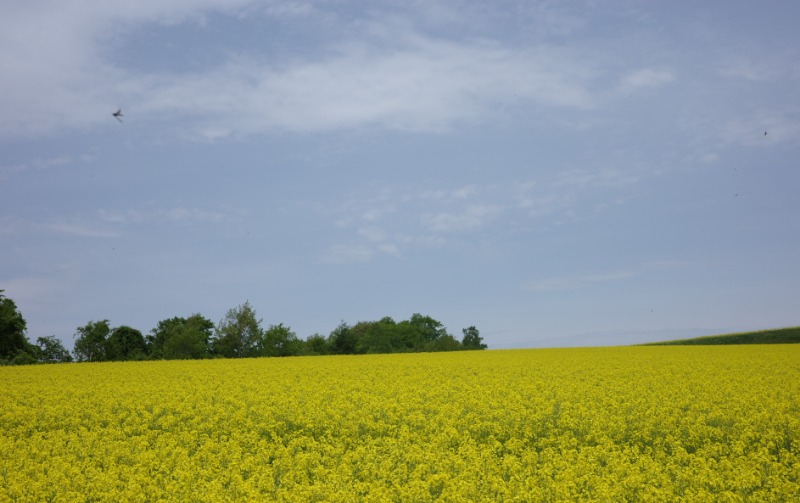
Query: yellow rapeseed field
x,y
718,423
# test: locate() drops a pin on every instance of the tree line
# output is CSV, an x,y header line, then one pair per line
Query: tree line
x,y
240,334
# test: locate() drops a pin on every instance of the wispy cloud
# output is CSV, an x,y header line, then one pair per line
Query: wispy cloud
x,y
748,128
343,253
110,223
467,218
395,220
385,73
575,282
763,68
597,177
578,281
60,57
81,229
646,78
43,163
177,214
425,84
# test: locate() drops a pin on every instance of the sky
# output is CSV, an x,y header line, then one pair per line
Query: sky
x,y
553,173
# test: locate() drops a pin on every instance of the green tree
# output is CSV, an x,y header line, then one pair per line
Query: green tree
x,y
427,332
472,338
377,336
279,340
191,339
125,343
342,340
26,357
12,329
181,338
238,334
316,344
90,341
52,351
446,343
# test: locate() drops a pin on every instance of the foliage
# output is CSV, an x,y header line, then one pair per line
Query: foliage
x,y
446,342
342,340
377,336
315,344
125,343
279,340
472,338
90,341
239,334
12,329
52,351
789,335
181,338
426,331
598,424
419,333
25,357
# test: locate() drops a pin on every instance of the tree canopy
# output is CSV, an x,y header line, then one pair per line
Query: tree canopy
x,y
91,341
181,338
239,334
12,329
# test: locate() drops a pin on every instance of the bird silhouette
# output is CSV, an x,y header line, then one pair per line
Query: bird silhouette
x,y
118,114
765,133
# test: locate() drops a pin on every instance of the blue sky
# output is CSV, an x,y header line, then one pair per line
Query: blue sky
x,y
555,173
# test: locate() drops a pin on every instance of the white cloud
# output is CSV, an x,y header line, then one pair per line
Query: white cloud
x,y
397,219
374,234
345,253
710,157
470,218
386,75
449,194
748,129
290,9
105,223
763,68
572,282
35,165
56,62
88,230
575,282
537,201
646,77
178,214
598,177
426,85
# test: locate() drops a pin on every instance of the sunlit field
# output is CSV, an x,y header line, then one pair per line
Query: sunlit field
x,y
692,423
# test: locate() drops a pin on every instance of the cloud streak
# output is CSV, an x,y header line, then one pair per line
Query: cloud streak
x,y
575,282
646,77
386,75
425,85
113,223
581,281
395,220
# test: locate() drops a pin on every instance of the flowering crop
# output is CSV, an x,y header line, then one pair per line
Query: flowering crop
x,y
607,424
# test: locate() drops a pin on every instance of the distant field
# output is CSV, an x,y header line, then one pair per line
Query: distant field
x,y
777,336
604,424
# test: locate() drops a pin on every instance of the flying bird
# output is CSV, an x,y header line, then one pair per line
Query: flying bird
x,y
118,114
765,133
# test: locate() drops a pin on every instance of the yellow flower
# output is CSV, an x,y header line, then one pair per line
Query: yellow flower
x,y
605,424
